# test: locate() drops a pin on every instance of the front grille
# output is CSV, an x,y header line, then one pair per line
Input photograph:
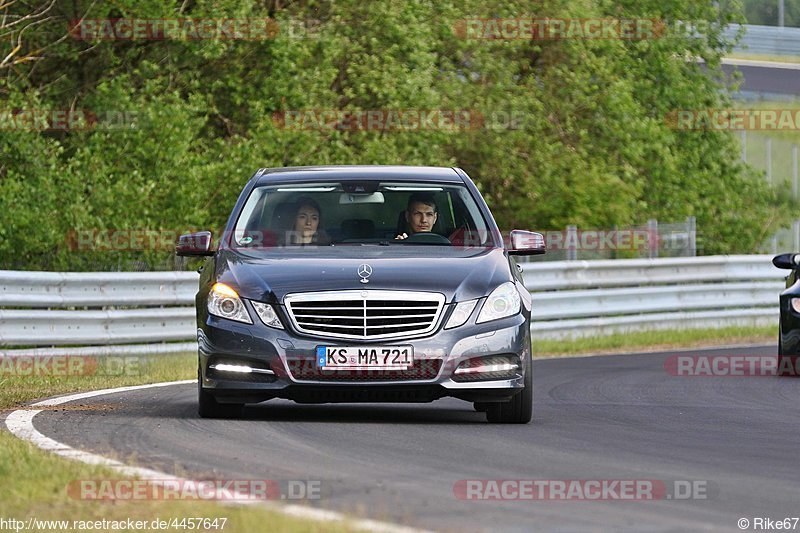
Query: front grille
x,y
307,370
365,315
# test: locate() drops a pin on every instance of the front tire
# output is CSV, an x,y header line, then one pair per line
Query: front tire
x,y
519,409
786,363
209,407
481,407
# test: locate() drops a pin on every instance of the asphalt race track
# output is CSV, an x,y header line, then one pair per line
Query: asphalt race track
x,y
767,79
621,417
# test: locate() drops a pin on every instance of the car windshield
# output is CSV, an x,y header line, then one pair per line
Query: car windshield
x,y
361,213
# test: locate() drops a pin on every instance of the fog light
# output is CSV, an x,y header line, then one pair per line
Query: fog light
x,y
796,304
487,368
239,369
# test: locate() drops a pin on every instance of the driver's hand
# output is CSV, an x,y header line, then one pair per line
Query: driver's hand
x,y
401,236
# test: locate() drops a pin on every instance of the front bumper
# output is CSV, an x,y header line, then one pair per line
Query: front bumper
x,y
282,352
789,325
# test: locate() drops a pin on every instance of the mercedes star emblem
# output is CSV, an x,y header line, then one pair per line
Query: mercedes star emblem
x,y
364,271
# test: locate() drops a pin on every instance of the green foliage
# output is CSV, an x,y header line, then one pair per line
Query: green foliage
x,y
589,145
766,12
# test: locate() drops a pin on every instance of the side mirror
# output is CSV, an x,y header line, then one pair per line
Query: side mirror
x,y
194,244
788,261
526,243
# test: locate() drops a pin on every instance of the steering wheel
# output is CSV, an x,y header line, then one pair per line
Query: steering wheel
x,y
426,238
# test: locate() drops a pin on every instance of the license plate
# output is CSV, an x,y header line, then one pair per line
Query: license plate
x,y
365,357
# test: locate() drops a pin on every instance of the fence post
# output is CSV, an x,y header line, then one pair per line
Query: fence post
x,y
794,172
652,238
769,160
572,243
613,252
781,13
744,146
691,227
796,235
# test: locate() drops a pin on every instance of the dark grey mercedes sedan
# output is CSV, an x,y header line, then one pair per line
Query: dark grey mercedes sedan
x,y
363,284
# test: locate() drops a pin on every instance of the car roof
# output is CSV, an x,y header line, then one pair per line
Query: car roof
x,y
357,172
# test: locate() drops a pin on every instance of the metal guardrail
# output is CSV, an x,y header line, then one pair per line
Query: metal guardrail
x,y
580,298
766,40
570,298
100,289
97,308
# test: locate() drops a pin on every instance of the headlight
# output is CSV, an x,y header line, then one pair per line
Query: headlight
x,y
460,314
503,302
796,304
267,315
225,303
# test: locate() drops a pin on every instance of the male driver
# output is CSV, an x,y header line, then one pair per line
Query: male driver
x,y
421,214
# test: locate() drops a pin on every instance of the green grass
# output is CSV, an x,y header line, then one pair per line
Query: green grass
x,y
654,341
34,482
115,371
782,141
761,57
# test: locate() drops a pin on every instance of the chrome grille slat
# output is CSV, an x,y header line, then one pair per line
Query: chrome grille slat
x,y
386,326
301,316
393,317
331,325
365,314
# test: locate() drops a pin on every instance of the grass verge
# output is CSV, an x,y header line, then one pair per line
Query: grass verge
x,y
651,341
22,381
34,483
762,57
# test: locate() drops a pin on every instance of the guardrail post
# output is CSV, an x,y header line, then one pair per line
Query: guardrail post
x,y
652,238
796,235
781,13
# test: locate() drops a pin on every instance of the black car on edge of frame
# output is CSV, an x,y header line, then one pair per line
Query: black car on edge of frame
x,y
789,330
363,284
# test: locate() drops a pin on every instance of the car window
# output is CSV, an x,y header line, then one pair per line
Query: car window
x,y
361,213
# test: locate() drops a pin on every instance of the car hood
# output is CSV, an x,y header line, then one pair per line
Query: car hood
x,y
268,276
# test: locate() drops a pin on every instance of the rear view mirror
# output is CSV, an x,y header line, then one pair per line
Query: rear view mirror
x,y
360,198
788,261
526,243
194,244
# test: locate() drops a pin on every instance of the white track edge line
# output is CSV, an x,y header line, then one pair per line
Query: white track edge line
x,y
20,424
